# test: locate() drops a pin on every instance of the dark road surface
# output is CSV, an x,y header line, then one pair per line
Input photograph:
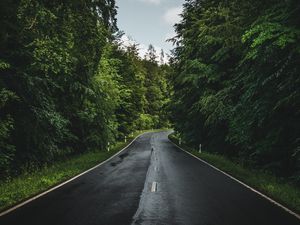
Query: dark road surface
x,y
163,186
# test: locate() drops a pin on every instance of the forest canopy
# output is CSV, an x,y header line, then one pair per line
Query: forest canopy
x,y
67,85
236,81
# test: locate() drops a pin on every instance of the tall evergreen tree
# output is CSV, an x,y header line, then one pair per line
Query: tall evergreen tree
x,y
229,94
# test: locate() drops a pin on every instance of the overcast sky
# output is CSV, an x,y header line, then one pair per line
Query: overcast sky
x,y
149,21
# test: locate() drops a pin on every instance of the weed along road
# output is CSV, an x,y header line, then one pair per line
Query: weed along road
x,y
152,182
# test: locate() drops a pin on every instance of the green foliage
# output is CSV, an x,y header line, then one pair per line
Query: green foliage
x,y
158,91
236,80
147,121
7,149
66,85
41,44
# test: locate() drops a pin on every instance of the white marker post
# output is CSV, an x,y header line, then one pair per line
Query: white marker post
x,y
108,146
200,148
125,139
179,141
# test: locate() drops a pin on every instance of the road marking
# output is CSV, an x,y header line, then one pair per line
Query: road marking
x,y
242,183
68,181
154,187
155,168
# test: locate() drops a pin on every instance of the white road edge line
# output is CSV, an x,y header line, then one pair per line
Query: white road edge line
x,y
68,181
154,187
242,183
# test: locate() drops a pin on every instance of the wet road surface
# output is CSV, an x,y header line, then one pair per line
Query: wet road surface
x,y
152,182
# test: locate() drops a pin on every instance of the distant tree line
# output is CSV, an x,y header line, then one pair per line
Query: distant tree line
x,y
236,76
66,84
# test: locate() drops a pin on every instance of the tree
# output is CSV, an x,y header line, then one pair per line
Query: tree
x,y
151,54
162,57
50,53
235,80
67,86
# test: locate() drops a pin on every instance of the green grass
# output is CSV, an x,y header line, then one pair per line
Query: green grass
x,y
278,189
20,188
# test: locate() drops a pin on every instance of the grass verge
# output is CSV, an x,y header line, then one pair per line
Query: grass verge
x,y
27,185
276,188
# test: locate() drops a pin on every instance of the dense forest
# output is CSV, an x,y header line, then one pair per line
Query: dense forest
x,y
67,83
235,71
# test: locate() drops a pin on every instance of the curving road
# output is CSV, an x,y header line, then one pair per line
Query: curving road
x,y
152,182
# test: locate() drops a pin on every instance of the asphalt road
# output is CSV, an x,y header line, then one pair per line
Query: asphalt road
x,y
152,182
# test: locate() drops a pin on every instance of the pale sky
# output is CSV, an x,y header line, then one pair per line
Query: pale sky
x,y
149,21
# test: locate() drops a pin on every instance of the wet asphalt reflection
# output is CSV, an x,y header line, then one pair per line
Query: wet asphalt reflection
x,y
152,182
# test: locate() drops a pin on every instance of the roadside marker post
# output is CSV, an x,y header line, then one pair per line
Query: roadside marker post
x,y
125,139
108,146
179,141
200,148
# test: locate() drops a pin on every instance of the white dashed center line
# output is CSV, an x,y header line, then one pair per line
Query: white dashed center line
x,y
154,187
